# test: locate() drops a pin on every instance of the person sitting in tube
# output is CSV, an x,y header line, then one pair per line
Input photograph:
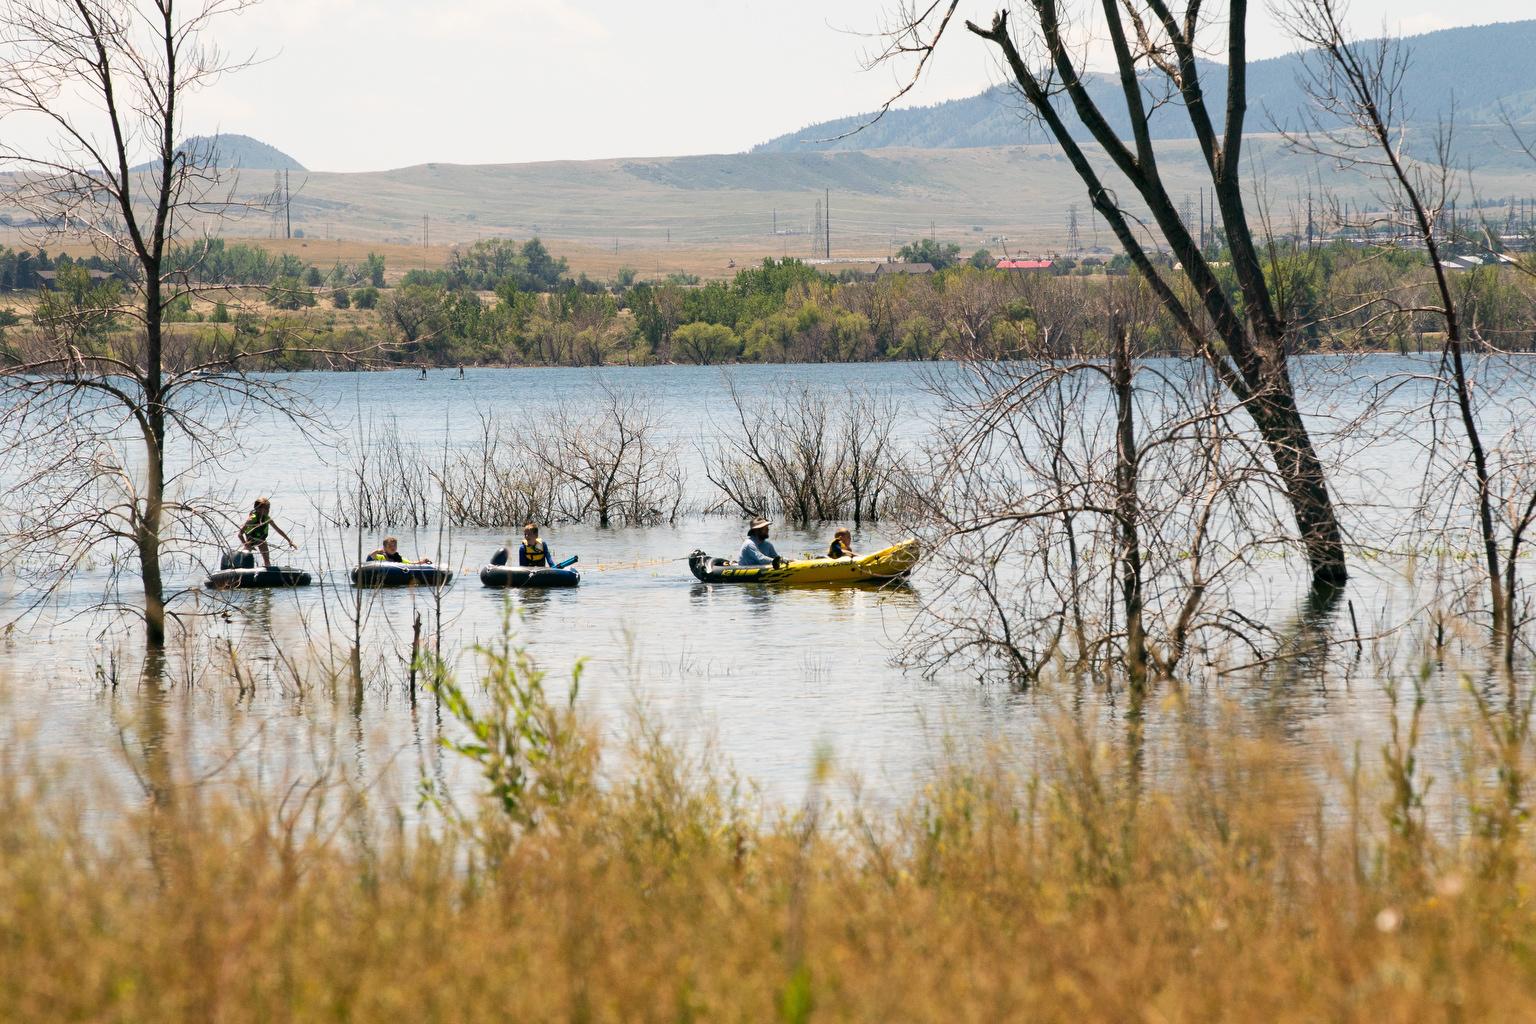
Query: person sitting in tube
x,y
842,545
390,552
253,535
533,553
758,550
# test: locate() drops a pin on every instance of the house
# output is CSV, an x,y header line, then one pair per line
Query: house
x,y
47,277
903,268
1025,264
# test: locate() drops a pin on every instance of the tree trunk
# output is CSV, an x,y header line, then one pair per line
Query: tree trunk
x,y
1127,512
153,517
1253,363
1285,434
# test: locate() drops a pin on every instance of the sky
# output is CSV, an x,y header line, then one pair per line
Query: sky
x,y
360,85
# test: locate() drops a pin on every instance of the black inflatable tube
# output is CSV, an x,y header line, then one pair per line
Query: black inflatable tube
x,y
399,574
258,579
522,576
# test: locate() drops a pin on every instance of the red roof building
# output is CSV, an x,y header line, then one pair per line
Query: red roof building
x,y
1024,264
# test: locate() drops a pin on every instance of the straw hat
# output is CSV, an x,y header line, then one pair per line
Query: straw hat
x,y
759,523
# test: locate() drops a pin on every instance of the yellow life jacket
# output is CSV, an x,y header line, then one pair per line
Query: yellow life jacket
x,y
536,555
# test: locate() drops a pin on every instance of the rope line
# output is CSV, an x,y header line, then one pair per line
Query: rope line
x,y
643,564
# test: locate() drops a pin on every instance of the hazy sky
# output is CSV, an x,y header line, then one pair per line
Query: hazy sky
x,y
373,84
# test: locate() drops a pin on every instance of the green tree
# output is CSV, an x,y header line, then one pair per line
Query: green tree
x,y
288,293
366,297
340,299
982,259
416,313
543,272
927,250
705,344
77,309
374,265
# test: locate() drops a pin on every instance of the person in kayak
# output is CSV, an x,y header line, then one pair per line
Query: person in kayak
x,y
842,545
253,534
758,550
390,552
533,553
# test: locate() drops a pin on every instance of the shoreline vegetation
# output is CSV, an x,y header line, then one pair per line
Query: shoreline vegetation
x,y
1204,874
501,303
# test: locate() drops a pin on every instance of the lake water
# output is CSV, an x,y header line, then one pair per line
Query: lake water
x,y
765,677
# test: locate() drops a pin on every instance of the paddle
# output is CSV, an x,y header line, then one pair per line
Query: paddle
x,y
569,561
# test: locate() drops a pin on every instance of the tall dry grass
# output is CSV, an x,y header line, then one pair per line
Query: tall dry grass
x,y
1090,879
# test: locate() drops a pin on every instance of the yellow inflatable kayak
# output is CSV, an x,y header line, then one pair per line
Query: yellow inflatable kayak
x,y
890,563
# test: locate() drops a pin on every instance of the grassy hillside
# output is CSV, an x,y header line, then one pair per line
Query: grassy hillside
x,y
700,213
662,212
1474,74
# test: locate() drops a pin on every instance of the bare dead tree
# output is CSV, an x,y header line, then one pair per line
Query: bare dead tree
x,y
1356,121
1244,338
610,464
99,422
809,456
387,481
1091,510
486,483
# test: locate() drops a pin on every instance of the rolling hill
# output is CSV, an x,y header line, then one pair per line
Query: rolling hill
x,y
1476,73
237,151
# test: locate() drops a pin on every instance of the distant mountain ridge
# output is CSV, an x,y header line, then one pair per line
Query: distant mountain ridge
x,y
236,151
1479,73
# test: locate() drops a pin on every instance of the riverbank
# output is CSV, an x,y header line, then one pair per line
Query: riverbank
x,y
1176,863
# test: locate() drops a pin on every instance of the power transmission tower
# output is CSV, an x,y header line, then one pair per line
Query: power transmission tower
x,y
1074,241
818,228
287,208
828,225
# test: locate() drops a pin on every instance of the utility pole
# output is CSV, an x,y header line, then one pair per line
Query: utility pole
x,y
828,208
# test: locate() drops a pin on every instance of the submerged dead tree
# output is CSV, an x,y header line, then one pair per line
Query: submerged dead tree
x,y
1243,336
1355,121
809,456
107,429
1090,513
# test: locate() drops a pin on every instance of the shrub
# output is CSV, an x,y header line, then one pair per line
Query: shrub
x,y
288,293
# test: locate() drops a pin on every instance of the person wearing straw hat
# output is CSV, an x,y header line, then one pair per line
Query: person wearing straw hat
x,y
758,550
